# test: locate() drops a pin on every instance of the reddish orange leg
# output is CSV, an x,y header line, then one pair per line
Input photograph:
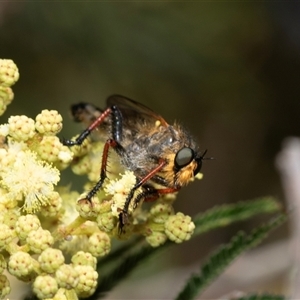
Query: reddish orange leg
x,y
79,140
103,173
123,216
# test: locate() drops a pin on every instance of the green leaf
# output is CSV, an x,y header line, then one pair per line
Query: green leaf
x,y
119,252
220,216
128,264
219,260
261,297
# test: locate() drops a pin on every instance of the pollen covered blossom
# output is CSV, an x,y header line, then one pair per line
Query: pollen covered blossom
x,y
52,236
119,190
30,180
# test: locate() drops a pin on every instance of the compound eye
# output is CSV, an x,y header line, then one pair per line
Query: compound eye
x,y
183,157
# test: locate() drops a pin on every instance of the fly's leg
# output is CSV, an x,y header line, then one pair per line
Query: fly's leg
x,y
103,173
115,143
116,118
148,194
123,216
151,194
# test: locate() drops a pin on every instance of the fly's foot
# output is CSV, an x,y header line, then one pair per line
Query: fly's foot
x,y
85,208
123,220
69,143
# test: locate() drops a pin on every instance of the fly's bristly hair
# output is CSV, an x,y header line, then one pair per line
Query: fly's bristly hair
x,y
147,144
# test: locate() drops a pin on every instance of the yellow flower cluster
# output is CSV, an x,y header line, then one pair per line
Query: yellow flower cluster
x,y
9,75
41,224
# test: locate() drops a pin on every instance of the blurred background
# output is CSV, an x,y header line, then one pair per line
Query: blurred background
x,y
228,71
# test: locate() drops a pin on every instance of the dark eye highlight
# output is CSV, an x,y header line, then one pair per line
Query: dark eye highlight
x,y
183,157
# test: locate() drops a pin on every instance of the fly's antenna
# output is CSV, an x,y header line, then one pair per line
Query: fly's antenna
x,y
206,158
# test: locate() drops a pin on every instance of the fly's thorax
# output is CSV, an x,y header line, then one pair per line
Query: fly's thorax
x,y
149,147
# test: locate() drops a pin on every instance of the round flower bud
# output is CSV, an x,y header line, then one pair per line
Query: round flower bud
x,y
66,276
84,258
81,150
52,209
4,286
3,264
87,281
3,107
99,244
39,240
179,228
156,238
82,165
6,95
20,264
6,235
26,224
48,122
21,128
160,212
10,218
106,221
50,148
63,294
50,260
9,73
6,158
45,286
88,209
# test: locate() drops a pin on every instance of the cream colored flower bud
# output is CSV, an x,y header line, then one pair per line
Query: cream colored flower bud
x,y
39,240
4,286
51,259
52,150
45,286
66,276
6,236
99,244
3,264
179,228
48,122
9,73
156,238
160,212
52,209
20,264
84,258
21,128
88,209
27,224
6,95
106,221
87,282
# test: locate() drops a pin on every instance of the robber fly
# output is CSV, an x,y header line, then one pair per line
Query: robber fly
x,y
159,154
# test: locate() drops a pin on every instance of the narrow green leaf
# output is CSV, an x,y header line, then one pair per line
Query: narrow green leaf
x,y
224,215
219,260
118,252
261,297
128,264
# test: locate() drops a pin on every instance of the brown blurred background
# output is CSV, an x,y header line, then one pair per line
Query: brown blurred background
x,y
229,71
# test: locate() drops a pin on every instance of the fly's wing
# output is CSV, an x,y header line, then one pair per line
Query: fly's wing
x,y
133,111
